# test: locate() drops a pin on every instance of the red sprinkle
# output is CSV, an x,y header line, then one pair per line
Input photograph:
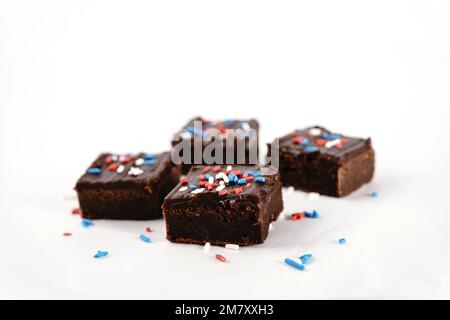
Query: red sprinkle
x,y
245,175
216,169
221,258
298,140
127,159
148,229
113,167
223,192
293,133
184,181
67,234
201,177
248,185
203,184
76,211
321,142
237,190
297,216
206,169
236,172
250,178
109,160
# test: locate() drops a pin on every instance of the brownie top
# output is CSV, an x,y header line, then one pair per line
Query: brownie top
x,y
128,170
318,140
223,182
189,130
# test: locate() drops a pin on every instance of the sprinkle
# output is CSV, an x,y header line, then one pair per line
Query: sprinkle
x,y
321,142
342,241
228,122
67,234
305,258
135,172
221,182
236,172
113,167
206,169
374,194
94,171
242,181
220,188
298,140
315,131
237,190
210,179
86,223
216,169
248,185
332,143
223,192
270,226
311,149
126,159
144,238
312,215
221,258
150,156
139,162
109,159
192,187
201,177
184,180
229,168
305,142
207,247
101,254
250,178
148,229
76,211
120,169
335,136
294,264
183,189
232,246
325,135
297,216
196,191
150,162
253,173
260,179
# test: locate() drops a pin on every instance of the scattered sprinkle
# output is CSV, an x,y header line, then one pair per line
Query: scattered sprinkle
x,y
67,234
206,169
294,264
374,194
315,131
192,187
148,229
94,171
311,149
242,181
342,241
139,162
232,246
332,143
184,180
297,216
220,188
221,258
76,211
150,162
120,169
217,169
312,215
260,179
135,171
207,247
144,238
183,189
101,254
305,258
113,167
229,168
200,190
150,156
223,192
86,223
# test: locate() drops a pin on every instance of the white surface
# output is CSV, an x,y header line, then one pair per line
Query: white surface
x,y
80,78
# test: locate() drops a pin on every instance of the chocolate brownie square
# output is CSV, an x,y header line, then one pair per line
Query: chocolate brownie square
x,y
317,160
231,132
126,187
223,205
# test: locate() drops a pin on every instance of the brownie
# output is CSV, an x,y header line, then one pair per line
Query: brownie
x,y
317,160
126,187
223,205
248,137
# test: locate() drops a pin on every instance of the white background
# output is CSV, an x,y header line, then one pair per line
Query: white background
x,y
81,77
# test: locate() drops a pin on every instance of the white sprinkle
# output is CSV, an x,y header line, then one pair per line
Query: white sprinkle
x,y
331,144
211,180
315,131
229,168
221,182
207,247
220,188
183,189
313,196
200,190
139,162
114,158
120,169
232,246
135,171
245,126
270,227
223,176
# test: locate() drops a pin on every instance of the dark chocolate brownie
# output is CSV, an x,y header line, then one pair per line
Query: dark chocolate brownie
x,y
317,160
250,135
126,187
223,205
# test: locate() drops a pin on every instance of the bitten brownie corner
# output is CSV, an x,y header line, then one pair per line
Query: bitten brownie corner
x,y
223,205
315,159
126,187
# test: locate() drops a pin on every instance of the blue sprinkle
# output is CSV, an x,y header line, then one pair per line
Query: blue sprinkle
x,y
149,162
312,215
260,179
231,177
207,176
144,238
335,136
294,264
342,241
253,173
228,122
95,171
311,149
325,135
374,194
86,223
305,142
242,181
193,186
305,258
150,156
101,254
